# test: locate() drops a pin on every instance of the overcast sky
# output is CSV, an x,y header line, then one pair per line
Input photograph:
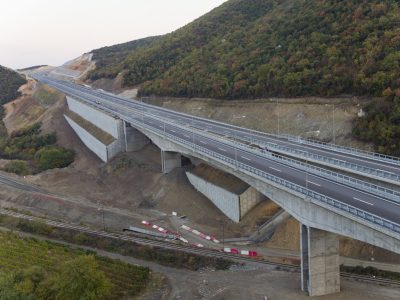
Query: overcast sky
x,y
51,32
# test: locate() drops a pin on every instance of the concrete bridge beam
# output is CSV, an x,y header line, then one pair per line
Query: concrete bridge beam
x,y
320,271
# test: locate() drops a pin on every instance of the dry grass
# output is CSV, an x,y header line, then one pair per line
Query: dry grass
x,y
221,179
98,133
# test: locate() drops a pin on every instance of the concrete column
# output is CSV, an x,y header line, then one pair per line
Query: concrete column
x,y
320,272
134,139
170,161
125,148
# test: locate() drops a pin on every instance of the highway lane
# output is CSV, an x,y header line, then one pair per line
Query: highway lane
x,y
232,131
360,199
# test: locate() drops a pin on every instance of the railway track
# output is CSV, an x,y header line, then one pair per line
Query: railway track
x,y
193,250
375,280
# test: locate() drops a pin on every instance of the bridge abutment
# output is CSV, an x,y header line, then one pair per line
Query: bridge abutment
x,y
320,271
170,160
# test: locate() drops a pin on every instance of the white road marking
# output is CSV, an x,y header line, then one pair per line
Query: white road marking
x,y
362,201
222,149
173,131
275,169
203,142
313,183
246,158
187,136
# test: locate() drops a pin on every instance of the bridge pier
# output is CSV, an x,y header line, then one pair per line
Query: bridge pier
x,y
134,139
170,160
320,271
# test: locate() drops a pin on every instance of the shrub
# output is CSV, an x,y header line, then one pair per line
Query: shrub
x,y
18,167
52,157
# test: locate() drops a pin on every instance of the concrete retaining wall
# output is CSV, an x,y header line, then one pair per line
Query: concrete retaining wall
x,y
89,140
250,198
97,117
226,201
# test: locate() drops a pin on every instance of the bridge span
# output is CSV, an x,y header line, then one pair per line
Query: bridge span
x,y
325,207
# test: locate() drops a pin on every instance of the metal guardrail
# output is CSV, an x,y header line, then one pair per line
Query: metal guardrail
x,y
348,150
282,182
394,178
371,218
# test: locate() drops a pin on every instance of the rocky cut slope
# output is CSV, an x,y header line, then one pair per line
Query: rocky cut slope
x,y
260,48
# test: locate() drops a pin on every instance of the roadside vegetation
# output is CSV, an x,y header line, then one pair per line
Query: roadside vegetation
x,y
33,269
32,152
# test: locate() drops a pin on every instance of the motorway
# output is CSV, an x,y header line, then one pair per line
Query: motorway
x,y
376,205
369,162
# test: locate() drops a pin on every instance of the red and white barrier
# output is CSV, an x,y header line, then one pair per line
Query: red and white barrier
x,y
200,234
231,250
159,228
241,252
184,240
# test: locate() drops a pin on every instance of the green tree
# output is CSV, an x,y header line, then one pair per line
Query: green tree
x,y
81,279
21,284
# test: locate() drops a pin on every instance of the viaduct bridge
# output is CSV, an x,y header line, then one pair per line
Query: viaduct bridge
x,y
327,203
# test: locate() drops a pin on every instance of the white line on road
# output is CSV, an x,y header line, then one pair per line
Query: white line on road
x,y
203,142
275,169
222,149
173,131
246,158
313,183
187,136
362,201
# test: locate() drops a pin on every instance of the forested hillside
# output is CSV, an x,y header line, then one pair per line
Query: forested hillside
x,y
10,81
109,59
260,48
